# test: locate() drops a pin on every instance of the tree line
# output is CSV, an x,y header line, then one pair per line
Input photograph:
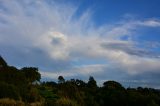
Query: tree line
x,y
22,87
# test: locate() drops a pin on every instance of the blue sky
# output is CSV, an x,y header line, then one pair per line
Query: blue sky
x,y
106,39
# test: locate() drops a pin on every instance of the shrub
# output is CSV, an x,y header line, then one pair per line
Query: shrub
x,y
9,91
10,102
65,102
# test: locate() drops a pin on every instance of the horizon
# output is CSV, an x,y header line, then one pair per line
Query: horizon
x,y
107,39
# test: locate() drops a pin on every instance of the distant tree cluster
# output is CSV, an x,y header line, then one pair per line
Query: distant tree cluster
x,y
17,84
17,88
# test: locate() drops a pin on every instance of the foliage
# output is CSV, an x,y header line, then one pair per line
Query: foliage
x,y
92,83
17,89
10,102
31,74
8,91
2,62
61,79
65,102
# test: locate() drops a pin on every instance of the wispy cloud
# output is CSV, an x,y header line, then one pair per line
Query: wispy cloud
x,y
50,37
150,23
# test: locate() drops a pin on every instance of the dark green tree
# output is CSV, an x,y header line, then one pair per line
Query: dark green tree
x,y
112,94
2,62
31,74
80,83
112,85
92,82
61,79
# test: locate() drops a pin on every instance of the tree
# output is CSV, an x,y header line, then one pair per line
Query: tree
x,y
2,62
113,94
31,74
61,79
92,82
113,85
80,83
91,92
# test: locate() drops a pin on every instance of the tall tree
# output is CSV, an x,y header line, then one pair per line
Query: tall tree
x,y
61,79
92,82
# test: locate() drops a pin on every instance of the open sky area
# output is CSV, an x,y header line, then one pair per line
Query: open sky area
x,y
107,39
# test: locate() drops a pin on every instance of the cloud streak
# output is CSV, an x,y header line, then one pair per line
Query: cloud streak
x,y
49,36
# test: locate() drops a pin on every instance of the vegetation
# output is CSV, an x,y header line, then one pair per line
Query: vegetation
x,y
18,88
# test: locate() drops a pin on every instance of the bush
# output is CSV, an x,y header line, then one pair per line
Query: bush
x,y
65,102
9,91
10,102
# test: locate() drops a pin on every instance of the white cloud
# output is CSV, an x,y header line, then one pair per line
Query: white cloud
x,y
52,29
84,71
54,43
150,23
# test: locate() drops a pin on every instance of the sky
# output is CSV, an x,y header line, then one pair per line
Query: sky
x,y
107,39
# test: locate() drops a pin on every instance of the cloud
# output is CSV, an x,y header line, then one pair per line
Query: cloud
x,y
51,37
150,23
